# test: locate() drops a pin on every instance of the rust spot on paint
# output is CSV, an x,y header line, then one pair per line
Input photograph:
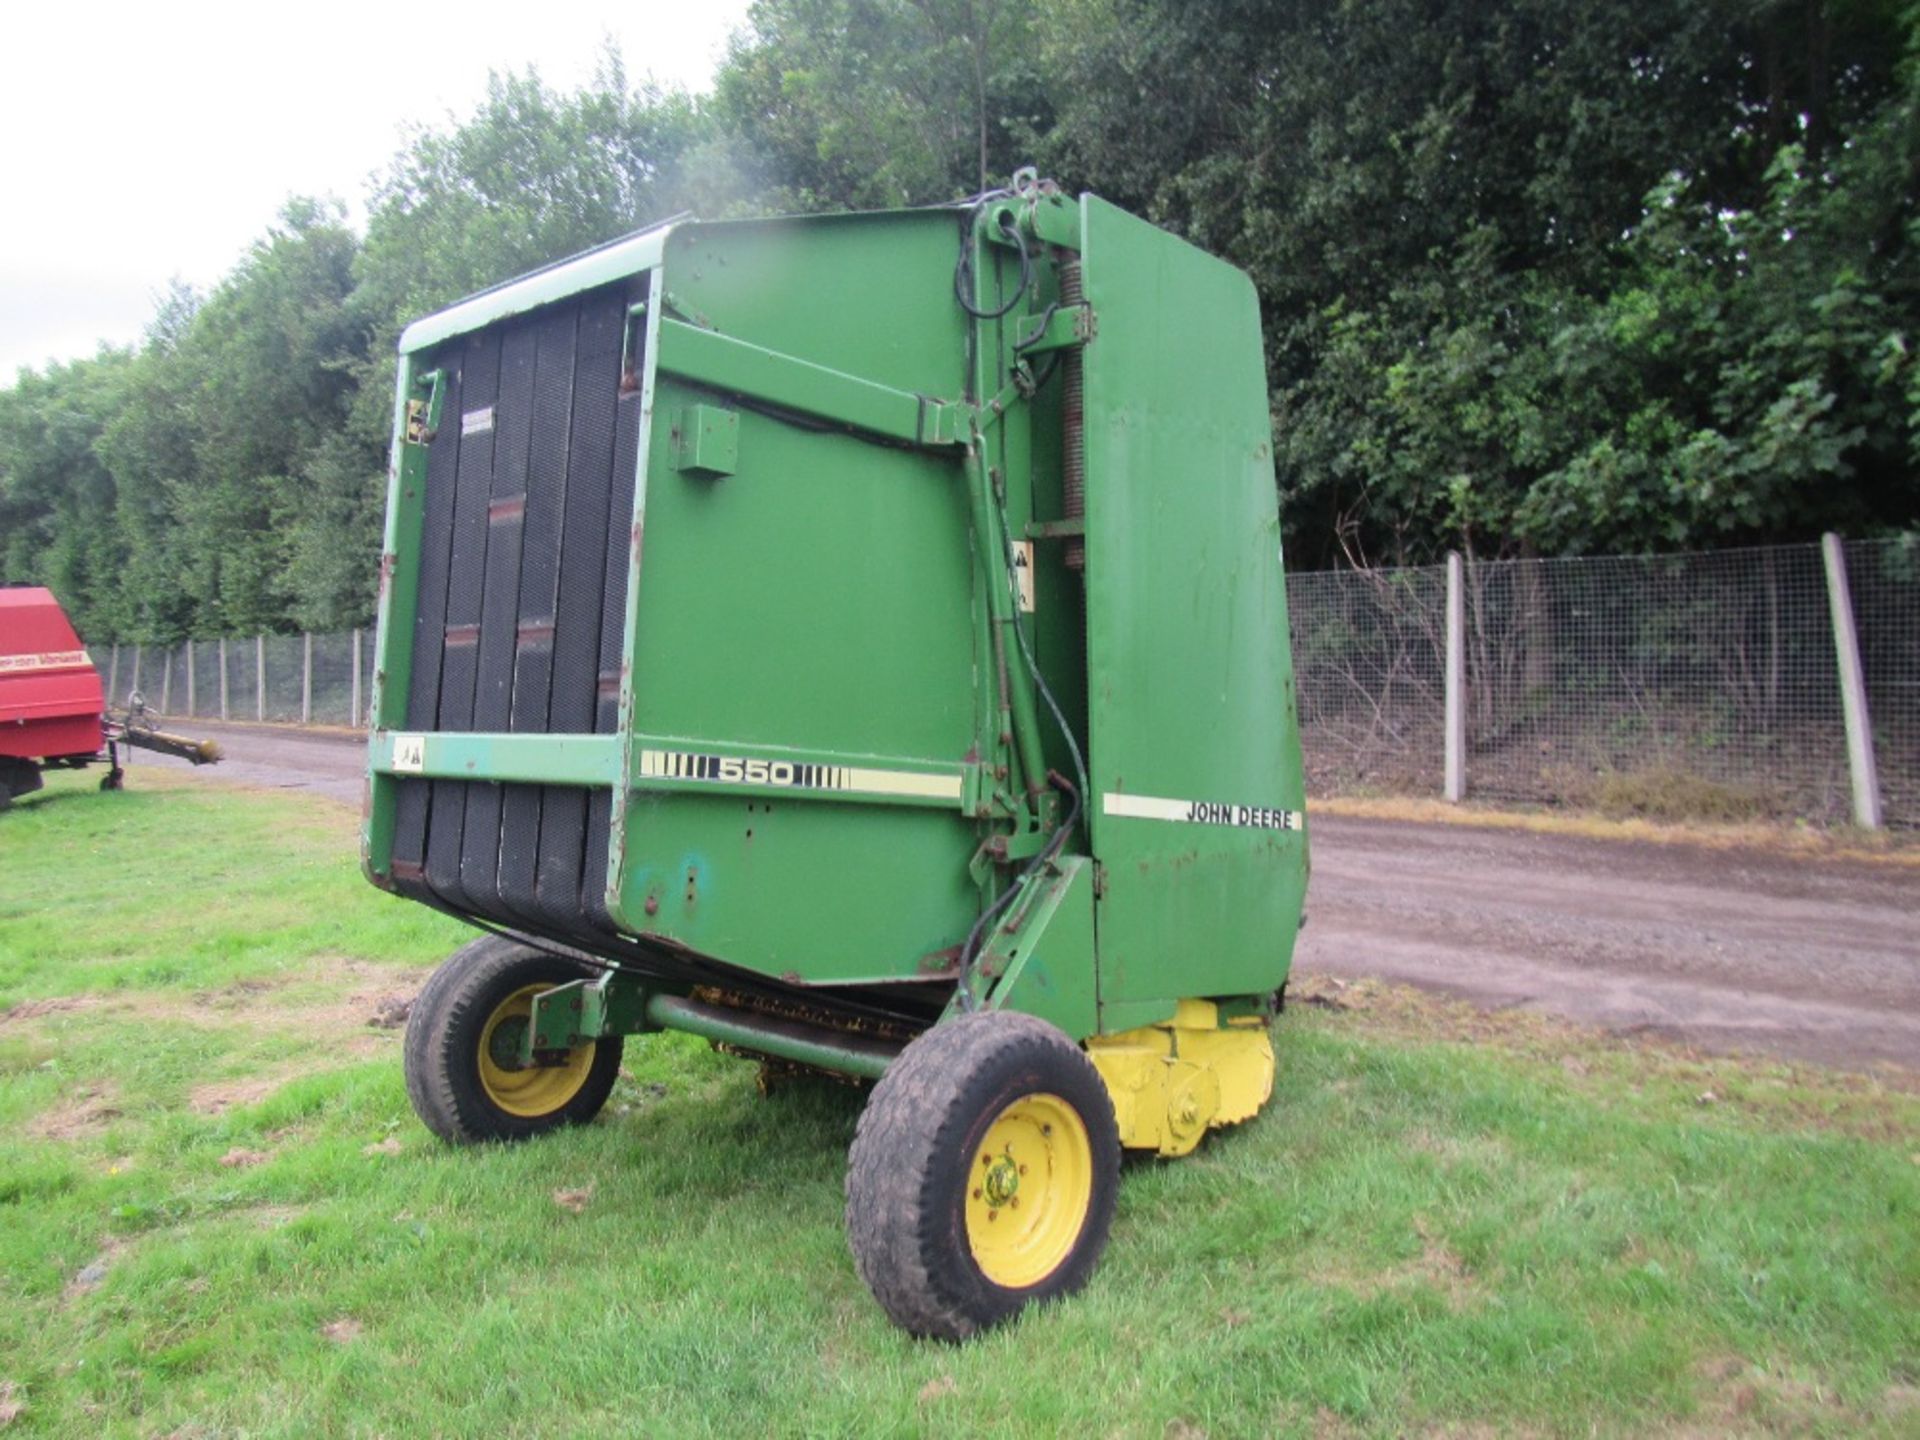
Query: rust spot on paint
x,y
463,634
940,962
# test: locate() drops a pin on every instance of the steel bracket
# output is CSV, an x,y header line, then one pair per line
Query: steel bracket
x,y
1061,327
423,416
582,1010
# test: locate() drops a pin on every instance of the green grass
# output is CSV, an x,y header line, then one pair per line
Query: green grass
x,y
1441,1222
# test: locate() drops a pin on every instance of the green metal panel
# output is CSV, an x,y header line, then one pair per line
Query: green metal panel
x,y
416,411
1188,668
816,603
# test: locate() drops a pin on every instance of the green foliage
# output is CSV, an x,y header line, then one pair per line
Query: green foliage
x,y
836,104
1536,278
1621,277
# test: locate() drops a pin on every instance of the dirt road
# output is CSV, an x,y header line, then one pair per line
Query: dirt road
x,y
1728,950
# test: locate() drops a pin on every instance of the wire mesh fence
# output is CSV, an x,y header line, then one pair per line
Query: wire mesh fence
x,y
279,679
1705,684
1884,577
1369,652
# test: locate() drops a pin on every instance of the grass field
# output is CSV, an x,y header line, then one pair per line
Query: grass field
x,y
218,1216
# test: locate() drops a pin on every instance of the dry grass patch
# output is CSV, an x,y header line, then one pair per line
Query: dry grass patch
x,y
40,1009
1774,838
78,1115
1437,1267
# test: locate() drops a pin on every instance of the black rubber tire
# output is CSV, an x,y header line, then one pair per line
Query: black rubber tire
x,y
910,1166
17,778
444,1030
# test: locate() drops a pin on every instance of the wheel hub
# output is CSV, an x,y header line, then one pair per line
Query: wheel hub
x,y
1030,1194
1003,1178
503,1045
529,1091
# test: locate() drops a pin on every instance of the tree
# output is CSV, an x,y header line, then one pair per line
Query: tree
x,y
842,104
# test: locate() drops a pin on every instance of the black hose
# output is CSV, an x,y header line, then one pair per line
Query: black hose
x,y
963,270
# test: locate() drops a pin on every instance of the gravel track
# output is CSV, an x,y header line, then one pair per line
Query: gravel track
x,y
1724,949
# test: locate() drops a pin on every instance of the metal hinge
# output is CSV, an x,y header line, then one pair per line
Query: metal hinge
x,y
1060,327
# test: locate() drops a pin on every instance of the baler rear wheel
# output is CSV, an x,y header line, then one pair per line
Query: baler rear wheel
x,y
982,1176
462,1075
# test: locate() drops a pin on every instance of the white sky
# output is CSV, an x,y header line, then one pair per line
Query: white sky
x,y
139,142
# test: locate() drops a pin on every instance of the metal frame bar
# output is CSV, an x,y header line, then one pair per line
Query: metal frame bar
x,y
1456,688
706,357
1861,766
399,599
609,761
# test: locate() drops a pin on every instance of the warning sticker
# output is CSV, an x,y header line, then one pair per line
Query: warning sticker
x,y
1203,812
477,422
409,754
1023,574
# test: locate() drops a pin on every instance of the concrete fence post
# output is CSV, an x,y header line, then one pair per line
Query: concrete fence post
x,y
1853,690
223,677
259,677
166,681
306,679
353,718
113,673
1456,707
190,680
135,687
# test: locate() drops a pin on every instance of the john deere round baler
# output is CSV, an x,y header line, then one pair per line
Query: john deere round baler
x,y
860,641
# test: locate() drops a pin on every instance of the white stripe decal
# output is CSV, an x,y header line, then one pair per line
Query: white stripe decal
x,y
795,775
48,660
1202,812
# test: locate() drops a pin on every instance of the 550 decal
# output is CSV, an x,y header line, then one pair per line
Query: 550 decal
x,y
794,774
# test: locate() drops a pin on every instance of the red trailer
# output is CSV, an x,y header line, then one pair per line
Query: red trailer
x,y
52,706
53,709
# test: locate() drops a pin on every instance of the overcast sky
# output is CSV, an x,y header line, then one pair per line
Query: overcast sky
x,y
139,142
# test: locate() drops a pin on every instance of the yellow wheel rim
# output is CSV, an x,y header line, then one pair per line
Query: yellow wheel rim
x,y
529,1091
1029,1188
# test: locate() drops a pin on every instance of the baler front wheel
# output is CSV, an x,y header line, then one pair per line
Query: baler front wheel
x,y
463,1035
983,1174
